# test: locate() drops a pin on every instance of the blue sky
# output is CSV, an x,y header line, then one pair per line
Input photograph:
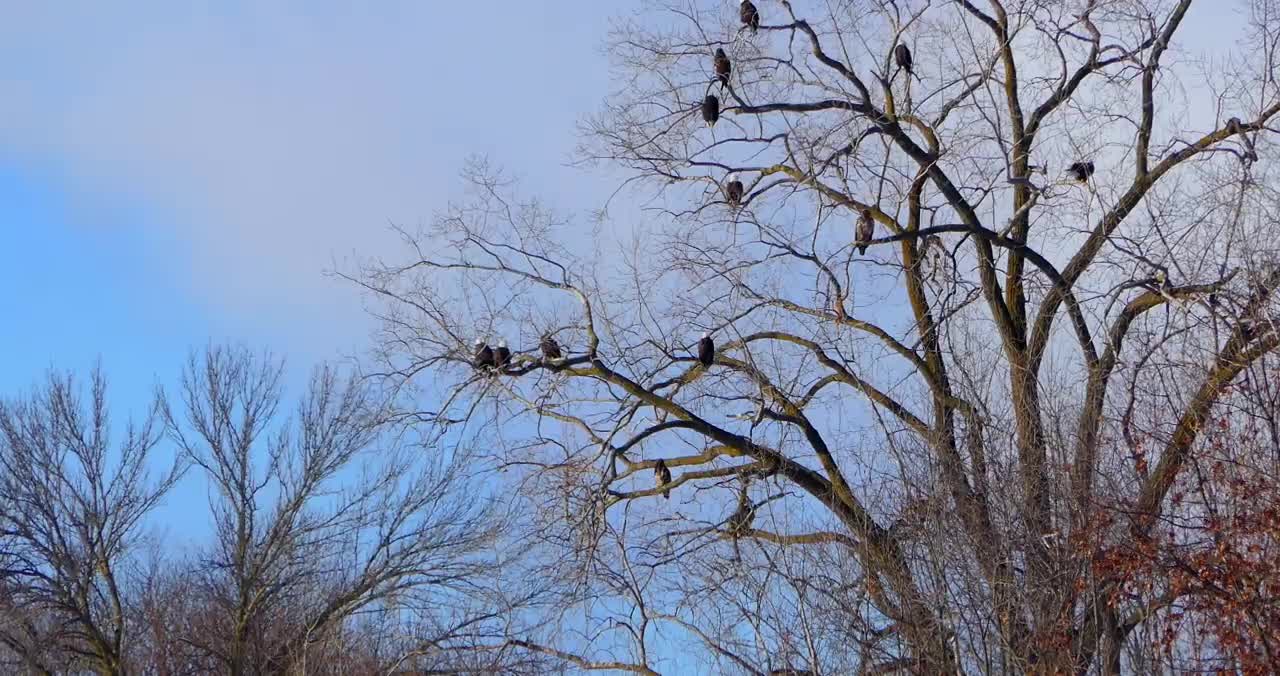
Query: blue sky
x,y
172,173
175,173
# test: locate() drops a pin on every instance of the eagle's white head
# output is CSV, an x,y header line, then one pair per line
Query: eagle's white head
x,y
706,334
502,344
479,342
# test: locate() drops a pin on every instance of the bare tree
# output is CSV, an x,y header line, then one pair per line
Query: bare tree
x,y
173,608
324,520
73,504
1072,262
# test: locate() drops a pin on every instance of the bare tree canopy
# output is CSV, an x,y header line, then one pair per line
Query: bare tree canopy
x,y
72,504
342,542
301,550
978,448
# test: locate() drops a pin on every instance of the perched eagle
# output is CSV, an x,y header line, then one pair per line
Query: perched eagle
x,y
733,192
706,350
740,521
1233,126
934,246
710,110
866,231
749,15
723,68
550,348
1081,170
662,475
932,256
484,355
742,517
502,356
902,56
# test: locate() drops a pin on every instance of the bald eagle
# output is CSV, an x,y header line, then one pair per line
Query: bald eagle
x,y
723,68
749,15
902,56
501,356
710,110
706,350
932,255
484,355
866,230
740,521
934,245
1082,171
742,517
662,475
550,348
1233,126
733,192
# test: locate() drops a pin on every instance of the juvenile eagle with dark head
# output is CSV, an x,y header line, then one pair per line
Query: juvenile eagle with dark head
x,y
550,348
733,192
749,15
723,68
742,517
902,56
662,475
710,110
866,231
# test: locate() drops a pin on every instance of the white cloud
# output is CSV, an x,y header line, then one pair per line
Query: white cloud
x,y
273,139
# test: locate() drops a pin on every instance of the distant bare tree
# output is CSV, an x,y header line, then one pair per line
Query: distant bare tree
x,y
73,501
173,609
932,453
323,520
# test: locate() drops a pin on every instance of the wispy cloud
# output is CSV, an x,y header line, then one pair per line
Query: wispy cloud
x,y
272,140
